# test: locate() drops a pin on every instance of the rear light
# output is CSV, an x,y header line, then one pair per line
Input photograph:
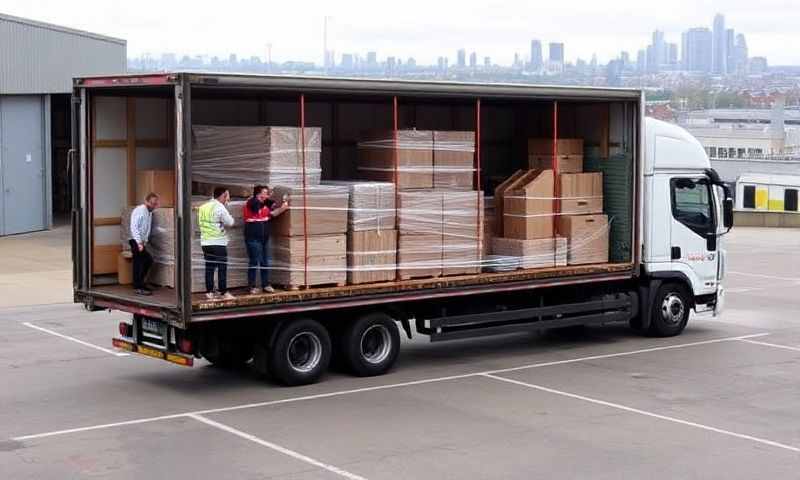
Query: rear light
x,y
185,345
125,329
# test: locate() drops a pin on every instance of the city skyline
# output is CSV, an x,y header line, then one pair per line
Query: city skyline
x,y
494,29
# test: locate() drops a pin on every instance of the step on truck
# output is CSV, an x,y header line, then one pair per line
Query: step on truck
x,y
656,209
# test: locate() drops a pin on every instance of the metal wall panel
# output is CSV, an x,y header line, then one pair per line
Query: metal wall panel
x,y
23,150
38,58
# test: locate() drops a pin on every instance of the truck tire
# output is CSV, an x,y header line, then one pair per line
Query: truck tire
x,y
370,344
671,308
301,352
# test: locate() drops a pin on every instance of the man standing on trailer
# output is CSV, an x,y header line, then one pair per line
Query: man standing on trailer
x,y
212,218
258,211
141,222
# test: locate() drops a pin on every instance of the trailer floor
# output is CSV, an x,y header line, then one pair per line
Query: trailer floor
x,y
719,401
165,297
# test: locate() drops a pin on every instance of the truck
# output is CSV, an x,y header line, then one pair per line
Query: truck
x,y
669,210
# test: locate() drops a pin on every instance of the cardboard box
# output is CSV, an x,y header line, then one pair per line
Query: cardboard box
x,y
419,256
462,232
371,205
371,256
325,260
453,160
325,212
587,236
565,146
498,199
581,193
528,206
124,268
104,259
566,163
420,212
536,253
161,182
414,148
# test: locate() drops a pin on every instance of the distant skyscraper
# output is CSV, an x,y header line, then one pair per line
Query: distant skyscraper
x,y
730,49
720,55
641,61
517,61
657,52
741,55
411,62
487,62
372,59
556,52
473,60
536,55
758,65
347,61
672,56
614,73
697,51
625,58
462,58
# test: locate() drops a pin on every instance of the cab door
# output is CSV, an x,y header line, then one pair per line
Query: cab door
x,y
694,241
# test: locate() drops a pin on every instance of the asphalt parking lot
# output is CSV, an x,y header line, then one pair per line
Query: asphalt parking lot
x,y
721,400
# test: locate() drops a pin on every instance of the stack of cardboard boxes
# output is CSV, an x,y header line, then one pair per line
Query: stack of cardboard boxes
x,y
309,240
529,207
440,214
240,157
371,231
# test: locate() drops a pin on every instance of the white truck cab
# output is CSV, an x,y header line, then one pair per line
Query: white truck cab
x,y
687,209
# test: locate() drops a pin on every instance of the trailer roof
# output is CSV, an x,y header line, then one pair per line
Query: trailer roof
x,y
321,84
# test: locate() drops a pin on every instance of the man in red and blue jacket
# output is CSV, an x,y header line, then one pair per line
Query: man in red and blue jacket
x,y
259,210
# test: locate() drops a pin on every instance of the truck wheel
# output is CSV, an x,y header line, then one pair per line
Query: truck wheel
x,y
370,344
301,353
671,309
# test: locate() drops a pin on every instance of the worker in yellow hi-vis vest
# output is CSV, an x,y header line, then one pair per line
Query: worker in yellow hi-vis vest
x,y
212,218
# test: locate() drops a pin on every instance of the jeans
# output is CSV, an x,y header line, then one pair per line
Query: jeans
x,y
216,257
257,251
142,261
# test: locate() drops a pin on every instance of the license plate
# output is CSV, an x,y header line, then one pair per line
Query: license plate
x,y
151,325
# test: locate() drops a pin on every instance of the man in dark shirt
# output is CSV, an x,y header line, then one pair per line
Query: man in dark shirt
x,y
258,212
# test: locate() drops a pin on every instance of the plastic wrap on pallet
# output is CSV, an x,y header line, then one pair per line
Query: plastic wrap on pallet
x,y
245,156
371,205
317,210
453,159
413,150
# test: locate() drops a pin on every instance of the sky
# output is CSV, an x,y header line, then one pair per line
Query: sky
x,y
422,29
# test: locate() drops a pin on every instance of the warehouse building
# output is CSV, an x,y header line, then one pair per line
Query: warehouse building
x,y
37,64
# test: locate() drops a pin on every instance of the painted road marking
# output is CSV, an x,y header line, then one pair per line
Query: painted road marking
x,y
773,345
771,277
374,388
647,414
276,447
73,339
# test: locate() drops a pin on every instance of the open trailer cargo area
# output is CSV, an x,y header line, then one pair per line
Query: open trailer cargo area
x,y
395,189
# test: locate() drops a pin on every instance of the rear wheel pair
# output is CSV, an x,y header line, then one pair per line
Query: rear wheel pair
x,y
301,351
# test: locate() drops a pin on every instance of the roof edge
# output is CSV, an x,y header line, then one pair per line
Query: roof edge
x,y
59,28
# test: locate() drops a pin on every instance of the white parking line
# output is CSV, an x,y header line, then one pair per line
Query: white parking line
x,y
761,275
277,448
73,339
773,345
647,414
375,388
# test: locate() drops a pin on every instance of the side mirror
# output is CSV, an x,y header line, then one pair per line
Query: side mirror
x,y
727,213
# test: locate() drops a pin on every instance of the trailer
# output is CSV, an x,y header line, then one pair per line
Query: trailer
x,y
667,211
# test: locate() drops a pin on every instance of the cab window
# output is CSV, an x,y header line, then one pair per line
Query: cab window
x,y
692,204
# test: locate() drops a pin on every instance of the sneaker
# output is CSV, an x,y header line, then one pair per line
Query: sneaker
x,y
141,291
269,289
227,296
211,296
254,291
